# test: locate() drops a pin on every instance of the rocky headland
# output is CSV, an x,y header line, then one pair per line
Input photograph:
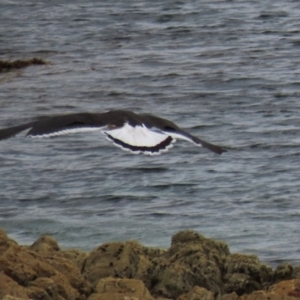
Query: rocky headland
x,y
194,267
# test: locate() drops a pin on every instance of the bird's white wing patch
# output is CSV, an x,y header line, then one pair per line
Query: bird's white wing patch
x,y
137,136
140,139
65,131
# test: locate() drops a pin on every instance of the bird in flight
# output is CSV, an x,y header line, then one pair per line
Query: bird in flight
x,y
138,133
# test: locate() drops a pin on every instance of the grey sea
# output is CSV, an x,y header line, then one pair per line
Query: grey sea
x,y
226,71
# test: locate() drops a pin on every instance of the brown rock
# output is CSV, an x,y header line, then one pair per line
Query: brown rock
x,y
9,287
231,296
5,242
8,297
280,291
197,293
262,295
78,257
43,288
153,252
45,243
27,269
192,260
119,260
70,272
287,288
112,288
41,275
194,267
111,296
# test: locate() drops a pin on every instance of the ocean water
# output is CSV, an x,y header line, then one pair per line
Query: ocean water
x,y
226,71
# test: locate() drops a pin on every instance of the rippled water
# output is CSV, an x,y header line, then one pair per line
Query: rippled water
x,y
228,71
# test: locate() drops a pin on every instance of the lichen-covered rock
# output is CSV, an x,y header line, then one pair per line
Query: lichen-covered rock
x,y
191,237
9,287
39,274
192,260
296,272
6,242
118,260
8,297
114,288
284,290
245,274
240,284
45,243
194,267
76,256
43,288
263,295
283,272
231,296
197,293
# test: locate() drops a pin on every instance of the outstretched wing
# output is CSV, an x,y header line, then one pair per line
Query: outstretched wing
x,y
9,132
65,124
123,128
195,140
169,128
57,125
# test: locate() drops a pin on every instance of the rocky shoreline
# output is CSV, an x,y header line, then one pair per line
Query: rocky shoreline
x,y
194,267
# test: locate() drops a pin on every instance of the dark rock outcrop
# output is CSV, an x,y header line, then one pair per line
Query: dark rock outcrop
x,y
193,268
245,274
6,65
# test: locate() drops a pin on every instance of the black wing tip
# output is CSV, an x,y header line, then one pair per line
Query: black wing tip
x,y
214,148
221,150
9,132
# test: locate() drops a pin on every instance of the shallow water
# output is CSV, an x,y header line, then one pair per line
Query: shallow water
x,y
226,71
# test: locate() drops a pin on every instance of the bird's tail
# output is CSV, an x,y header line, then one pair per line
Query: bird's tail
x,y
6,133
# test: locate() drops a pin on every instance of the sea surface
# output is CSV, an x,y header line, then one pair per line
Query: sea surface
x,y
226,71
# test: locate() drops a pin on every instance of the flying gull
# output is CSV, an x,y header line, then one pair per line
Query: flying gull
x,y
138,133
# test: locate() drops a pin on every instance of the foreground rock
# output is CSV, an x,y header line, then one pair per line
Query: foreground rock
x,y
194,267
